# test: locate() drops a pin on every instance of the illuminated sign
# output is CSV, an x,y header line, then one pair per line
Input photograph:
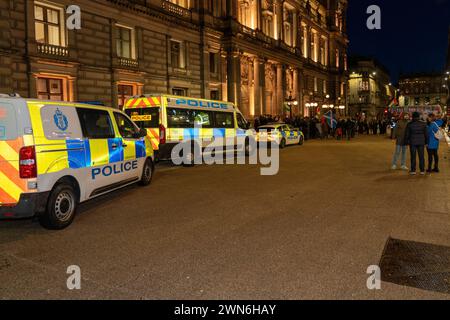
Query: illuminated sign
x,y
201,104
139,118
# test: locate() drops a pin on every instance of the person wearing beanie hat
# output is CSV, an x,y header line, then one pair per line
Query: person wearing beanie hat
x,y
417,137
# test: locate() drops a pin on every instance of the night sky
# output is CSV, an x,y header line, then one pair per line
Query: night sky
x,y
413,35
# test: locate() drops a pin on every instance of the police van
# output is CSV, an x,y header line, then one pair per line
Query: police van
x,y
54,155
170,120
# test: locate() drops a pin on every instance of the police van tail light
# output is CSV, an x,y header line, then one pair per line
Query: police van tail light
x,y
27,163
162,134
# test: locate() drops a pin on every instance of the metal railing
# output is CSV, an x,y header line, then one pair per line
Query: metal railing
x,y
175,9
51,50
128,63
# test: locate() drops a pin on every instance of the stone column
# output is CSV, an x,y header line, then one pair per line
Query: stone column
x,y
223,75
280,89
295,28
262,84
234,76
296,91
279,19
251,87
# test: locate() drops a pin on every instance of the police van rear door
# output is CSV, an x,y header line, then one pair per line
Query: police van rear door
x,y
11,186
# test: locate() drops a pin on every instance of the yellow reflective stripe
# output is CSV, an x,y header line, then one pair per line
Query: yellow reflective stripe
x,y
35,115
9,154
229,133
129,152
156,101
99,152
10,187
207,133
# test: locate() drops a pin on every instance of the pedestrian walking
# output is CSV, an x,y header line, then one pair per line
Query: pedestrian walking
x,y
399,134
433,142
417,137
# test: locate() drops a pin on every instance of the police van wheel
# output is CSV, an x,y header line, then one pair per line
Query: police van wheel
x,y
61,208
300,141
282,143
147,173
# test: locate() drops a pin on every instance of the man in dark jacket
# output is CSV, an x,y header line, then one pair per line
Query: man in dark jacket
x,y
399,133
417,137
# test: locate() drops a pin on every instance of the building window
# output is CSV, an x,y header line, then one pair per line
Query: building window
x,y
180,92
364,85
337,58
181,3
215,95
288,22
125,42
177,54
213,62
324,83
305,42
267,24
124,91
50,89
49,25
245,13
315,84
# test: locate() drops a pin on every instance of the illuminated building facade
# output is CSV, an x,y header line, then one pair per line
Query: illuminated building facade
x,y
256,53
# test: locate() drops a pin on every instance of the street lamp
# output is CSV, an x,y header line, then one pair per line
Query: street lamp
x,y
291,102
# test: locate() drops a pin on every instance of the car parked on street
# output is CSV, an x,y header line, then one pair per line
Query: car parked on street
x,y
282,133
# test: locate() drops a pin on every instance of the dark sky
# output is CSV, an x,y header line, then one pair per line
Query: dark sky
x,y
413,35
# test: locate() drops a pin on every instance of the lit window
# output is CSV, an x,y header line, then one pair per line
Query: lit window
x,y
49,25
177,54
180,92
124,91
181,3
50,89
213,62
125,42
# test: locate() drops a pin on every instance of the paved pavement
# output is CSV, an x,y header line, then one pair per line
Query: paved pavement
x,y
225,232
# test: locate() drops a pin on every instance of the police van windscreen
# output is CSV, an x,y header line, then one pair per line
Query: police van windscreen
x,y
144,117
8,122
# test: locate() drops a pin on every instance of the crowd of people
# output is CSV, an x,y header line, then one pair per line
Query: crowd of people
x,y
319,127
418,135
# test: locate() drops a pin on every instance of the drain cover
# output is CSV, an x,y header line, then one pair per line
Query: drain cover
x,y
414,264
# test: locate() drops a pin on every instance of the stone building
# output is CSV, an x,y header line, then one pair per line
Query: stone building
x,y
423,89
256,53
370,90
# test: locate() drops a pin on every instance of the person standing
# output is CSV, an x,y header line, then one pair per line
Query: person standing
x,y
399,133
417,137
433,143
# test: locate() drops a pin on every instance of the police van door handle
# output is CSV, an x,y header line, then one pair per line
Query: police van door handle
x,y
124,145
114,146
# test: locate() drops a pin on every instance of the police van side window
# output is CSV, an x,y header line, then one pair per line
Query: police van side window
x,y
179,118
224,120
96,124
242,124
126,128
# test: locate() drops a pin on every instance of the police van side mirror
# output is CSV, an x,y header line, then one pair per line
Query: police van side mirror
x,y
140,134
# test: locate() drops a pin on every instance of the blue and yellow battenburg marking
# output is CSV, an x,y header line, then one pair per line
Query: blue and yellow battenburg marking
x,y
91,153
197,133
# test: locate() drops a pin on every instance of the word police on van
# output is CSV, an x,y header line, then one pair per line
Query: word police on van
x,y
54,155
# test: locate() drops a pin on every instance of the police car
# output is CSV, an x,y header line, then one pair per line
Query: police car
x,y
54,155
281,133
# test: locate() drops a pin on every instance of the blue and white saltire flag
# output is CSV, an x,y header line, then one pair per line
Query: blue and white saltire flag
x,y
331,119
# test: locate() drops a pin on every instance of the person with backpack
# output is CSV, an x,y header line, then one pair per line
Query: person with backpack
x,y
417,137
434,136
